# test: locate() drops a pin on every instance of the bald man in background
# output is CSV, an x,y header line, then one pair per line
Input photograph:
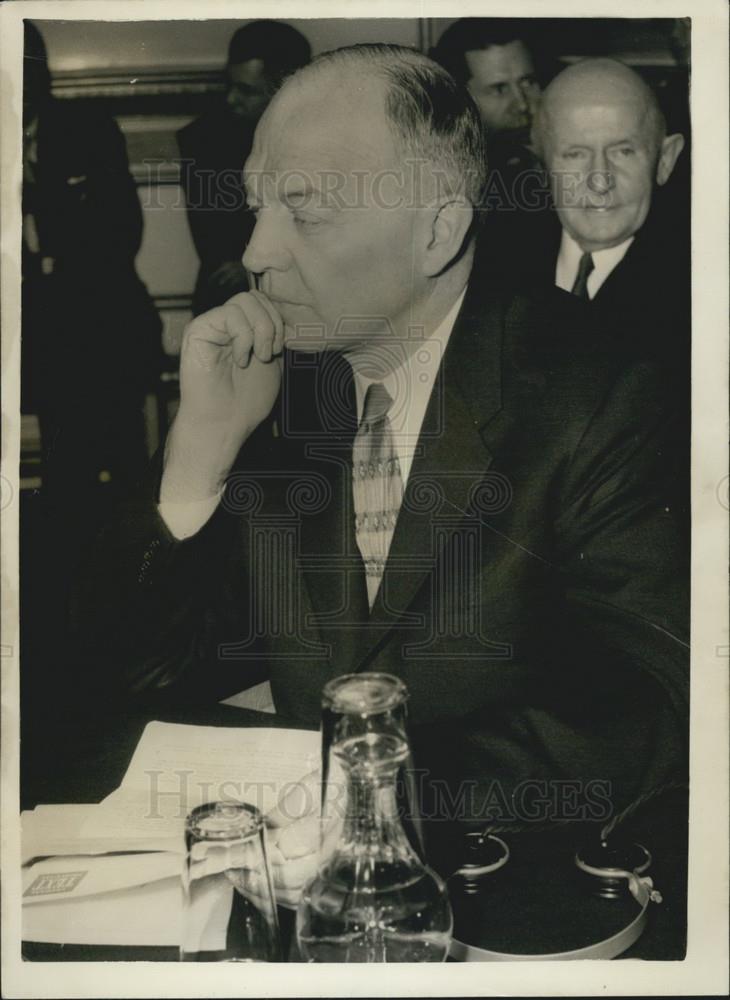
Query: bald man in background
x,y
604,142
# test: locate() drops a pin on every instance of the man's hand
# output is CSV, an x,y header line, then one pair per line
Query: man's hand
x,y
296,837
293,839
230,373
293,857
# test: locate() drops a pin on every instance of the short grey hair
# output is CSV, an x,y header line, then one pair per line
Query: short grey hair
x,y
431,116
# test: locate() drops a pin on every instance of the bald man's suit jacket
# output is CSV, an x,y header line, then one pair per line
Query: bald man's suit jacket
x,y
644,304
534,600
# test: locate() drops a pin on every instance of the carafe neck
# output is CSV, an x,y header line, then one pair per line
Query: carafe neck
x,y
372,818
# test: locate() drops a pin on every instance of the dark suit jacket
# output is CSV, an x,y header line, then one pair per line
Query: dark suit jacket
x,y
643,306
645,302
534,600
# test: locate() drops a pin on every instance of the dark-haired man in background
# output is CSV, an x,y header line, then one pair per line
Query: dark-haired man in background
x,y
494,59
379,465
214,147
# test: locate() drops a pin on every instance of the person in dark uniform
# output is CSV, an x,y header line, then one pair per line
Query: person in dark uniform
x,y
91,334
214,147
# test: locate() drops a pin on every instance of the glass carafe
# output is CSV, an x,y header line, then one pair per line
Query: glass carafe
x,y
373,899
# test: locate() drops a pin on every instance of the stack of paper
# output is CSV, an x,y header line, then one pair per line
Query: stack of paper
x,y
125,899
88,829
84,890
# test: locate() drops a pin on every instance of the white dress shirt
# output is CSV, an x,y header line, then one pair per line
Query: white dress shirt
x,y
604,261
409,385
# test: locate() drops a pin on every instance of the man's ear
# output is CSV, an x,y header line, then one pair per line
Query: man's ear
x,y
446,234
671,147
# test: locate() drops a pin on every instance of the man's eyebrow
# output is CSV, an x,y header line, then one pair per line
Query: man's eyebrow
x,y
309,196
293,193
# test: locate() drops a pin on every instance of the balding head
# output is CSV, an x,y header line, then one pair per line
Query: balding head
x,y
427,113
603,139
597,84
364,174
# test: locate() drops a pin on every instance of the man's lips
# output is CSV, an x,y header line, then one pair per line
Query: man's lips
x,y
599,208
280,300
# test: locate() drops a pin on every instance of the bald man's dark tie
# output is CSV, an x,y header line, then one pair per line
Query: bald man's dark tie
x,y
580,285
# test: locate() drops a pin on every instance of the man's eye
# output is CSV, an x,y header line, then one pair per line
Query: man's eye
x,y
499,89
625,151
528,82
573,154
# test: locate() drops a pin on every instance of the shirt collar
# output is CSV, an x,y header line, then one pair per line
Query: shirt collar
x,y
604,261
410,383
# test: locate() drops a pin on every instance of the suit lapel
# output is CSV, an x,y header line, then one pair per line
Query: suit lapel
x,y
451,460
328,554
621,283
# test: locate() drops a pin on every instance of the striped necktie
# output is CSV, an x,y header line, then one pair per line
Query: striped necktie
x,y
580,285
377,486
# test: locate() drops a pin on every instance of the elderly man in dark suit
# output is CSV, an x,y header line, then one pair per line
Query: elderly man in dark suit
x,y
378,466
604,142
619,235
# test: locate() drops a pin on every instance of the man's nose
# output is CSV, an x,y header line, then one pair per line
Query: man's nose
x,y
600,178
265,250
519,99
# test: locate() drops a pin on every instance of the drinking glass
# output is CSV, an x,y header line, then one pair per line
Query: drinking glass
x,y
229,912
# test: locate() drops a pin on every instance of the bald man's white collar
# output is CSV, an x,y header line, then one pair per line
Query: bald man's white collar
x,y
604,261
